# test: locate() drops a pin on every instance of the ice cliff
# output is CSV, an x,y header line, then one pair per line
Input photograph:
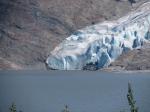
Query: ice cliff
x,y
102,43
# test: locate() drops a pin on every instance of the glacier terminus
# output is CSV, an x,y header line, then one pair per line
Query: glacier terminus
x,y
102,43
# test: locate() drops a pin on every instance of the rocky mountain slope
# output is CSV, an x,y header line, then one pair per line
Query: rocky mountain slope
x,y
30,29
138,59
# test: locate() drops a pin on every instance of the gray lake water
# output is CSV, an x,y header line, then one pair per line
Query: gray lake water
x,y
81,91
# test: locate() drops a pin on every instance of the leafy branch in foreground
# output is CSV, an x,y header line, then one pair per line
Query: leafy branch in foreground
x,y
131,100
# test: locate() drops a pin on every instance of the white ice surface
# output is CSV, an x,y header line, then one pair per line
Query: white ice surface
x,y
95,44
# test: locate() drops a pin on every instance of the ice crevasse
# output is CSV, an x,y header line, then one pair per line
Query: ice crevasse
x,y
102,43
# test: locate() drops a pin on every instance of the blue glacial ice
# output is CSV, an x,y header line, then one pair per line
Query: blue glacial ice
x,y
102,43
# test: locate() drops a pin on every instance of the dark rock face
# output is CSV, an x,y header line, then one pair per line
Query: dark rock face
x,y
91,66
30,29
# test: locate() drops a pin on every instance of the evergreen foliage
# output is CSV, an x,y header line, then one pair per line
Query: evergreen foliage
x,y
131,100
13,108
66,109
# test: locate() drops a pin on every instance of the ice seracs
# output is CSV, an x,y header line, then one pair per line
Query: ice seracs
x,y
100,44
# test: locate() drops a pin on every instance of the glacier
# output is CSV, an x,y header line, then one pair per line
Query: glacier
x,y
102,43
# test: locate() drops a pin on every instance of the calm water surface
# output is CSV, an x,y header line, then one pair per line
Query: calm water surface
x,y
82,91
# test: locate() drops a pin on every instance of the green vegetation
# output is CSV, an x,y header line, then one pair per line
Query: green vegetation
x,y
131,100
130,97
13,108
66,109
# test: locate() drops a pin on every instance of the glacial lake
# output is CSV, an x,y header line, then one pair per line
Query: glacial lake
x,y
81,91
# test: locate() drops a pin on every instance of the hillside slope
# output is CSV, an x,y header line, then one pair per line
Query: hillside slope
x,y
138,59
30,29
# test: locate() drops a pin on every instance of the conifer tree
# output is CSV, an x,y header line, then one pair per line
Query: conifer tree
x,y
13,108
66,109
131,100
